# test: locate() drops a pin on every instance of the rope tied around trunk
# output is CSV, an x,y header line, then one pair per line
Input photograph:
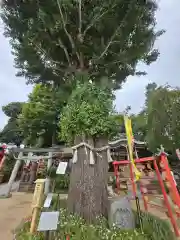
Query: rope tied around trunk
x,y
92,152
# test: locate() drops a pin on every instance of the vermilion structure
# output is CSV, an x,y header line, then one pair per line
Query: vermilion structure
x,y
161,166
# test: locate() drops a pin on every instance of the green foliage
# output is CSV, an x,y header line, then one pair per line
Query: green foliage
x,y
156,228
52,40
163,118
11,133
139,125
62,182
40,114
153,229
88,112
13,109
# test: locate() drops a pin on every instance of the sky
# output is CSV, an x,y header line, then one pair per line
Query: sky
x,y
165,70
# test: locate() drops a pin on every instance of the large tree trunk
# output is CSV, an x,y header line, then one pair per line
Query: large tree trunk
x,y
88,195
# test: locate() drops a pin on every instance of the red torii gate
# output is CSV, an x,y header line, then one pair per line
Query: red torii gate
x,y
163,162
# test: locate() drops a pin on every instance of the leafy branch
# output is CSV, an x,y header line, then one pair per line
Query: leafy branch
x,y
66,31
97,18
88,112
111,41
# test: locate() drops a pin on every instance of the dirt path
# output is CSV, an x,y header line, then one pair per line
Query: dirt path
x,y
12,211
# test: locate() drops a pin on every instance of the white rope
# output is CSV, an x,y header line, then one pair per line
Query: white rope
x,y
92,152
84,144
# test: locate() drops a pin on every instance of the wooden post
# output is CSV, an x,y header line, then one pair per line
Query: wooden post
x,y
47,183
14,174
36,203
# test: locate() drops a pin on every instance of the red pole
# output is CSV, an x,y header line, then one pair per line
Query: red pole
x,y
176,197
139,160
166,200
116,175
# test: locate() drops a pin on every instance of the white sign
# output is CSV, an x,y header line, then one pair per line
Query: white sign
x,y
22,146
61,168
48,221
48,200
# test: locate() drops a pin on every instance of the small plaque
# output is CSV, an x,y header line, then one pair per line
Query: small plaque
x,y
48,200
62,168
48,221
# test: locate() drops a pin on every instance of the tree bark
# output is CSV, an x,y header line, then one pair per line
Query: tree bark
x,y
88,196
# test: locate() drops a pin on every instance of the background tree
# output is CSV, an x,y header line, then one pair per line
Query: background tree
x,y
163,113
11,133
150,88
140,120
40,115
139,126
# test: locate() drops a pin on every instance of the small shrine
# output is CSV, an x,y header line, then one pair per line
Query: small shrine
x,y
119,150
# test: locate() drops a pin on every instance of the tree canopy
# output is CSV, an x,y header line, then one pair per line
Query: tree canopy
x,y
53,40
13,109
88,113
163,114
11,132
40,115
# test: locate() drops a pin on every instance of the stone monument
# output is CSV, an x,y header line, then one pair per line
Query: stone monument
x,y
120,214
